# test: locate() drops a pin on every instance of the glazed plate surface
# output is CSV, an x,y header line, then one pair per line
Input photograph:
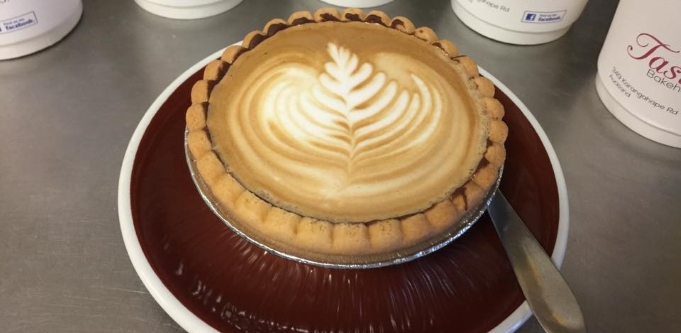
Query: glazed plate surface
x,y
209,279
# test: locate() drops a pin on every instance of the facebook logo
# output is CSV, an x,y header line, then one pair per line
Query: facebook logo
x,y
543,17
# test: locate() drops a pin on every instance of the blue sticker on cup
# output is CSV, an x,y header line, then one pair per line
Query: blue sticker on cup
x,y
18,22
543,17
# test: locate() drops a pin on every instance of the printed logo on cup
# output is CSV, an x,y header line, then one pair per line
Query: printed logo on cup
x,y
639,69
543,17
19,22
657,54
522,22
27,26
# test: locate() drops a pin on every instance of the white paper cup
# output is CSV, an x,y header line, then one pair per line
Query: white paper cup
x,y
639,69
187,9
523,22
28,26
357,3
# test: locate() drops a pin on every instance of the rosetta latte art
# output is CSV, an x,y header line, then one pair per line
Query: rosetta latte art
x,y
351,114
342,141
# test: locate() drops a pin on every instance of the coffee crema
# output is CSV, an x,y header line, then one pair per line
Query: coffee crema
x,y
347,122
345,134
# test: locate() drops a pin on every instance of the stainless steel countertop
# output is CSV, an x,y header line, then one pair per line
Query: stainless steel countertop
x,y
67,114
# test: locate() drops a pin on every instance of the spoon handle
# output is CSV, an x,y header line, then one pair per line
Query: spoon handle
x,y
547,293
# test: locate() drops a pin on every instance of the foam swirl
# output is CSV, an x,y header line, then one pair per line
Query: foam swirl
x,y
346,139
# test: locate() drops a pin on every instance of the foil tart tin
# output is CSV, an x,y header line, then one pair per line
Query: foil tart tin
x,y
373,260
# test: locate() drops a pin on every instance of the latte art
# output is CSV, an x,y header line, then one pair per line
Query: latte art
x,y
348,118
345,138
341,136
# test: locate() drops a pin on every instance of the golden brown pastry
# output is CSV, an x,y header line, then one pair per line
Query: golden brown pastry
x,y
346,133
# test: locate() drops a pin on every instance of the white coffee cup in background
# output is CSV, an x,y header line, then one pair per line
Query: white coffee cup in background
x,y
639,69
523,22
28,26
187,9
357,3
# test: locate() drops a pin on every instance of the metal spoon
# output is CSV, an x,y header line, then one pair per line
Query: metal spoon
x,y
547,293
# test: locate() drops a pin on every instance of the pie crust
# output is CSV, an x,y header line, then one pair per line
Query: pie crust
x,y
340,238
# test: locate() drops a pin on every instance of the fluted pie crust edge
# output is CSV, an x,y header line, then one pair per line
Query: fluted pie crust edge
x,y
324,237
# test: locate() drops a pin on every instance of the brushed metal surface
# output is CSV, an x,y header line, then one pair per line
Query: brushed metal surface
x,y
69,111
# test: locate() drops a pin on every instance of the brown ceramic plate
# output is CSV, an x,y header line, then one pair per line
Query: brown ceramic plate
x,y
209,279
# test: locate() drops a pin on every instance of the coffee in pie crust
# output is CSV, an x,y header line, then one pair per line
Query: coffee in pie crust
x,y
346,133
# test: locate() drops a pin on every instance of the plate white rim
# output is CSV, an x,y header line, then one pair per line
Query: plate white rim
x,y
188,320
